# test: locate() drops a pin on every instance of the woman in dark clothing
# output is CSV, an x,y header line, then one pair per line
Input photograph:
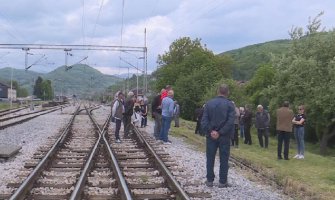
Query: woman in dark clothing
x,y
144,113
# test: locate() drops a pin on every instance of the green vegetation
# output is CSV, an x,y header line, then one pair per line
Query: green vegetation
x,y
311,178
43,89
248,59
191,69
82,80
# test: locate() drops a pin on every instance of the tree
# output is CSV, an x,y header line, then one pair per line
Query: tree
x,y
263,78
47,91
191,69
306,76
38,88
20,92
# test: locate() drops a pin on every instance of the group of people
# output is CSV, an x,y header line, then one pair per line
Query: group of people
x,y
164,110
130,110
220,121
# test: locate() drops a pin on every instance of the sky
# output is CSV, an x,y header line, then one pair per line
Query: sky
x,y
221,25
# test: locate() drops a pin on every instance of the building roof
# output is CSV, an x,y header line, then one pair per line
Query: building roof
x,y
6,85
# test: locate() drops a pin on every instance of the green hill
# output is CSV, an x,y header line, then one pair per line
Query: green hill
x,y
249,58
80,79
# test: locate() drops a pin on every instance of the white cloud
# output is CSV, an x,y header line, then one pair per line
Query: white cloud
x,y
222,25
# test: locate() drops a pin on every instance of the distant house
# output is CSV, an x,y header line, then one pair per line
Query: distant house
x,y
6,92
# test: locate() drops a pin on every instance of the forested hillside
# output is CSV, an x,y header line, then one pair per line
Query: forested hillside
x,y
249,58
80,79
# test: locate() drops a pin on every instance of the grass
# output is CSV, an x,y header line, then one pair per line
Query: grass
x,y
311,178
6,105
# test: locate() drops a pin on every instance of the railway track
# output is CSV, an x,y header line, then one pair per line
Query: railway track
x,y
149,171
84,162
10,111
6,122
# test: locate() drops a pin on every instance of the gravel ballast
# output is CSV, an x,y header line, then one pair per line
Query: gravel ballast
x,y
30,136
194,163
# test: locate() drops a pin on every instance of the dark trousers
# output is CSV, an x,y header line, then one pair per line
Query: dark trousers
x,y
234,141
117,128
197,128
144,121
158,124
247,136
283,136
176,120
126,123
263,132
223,143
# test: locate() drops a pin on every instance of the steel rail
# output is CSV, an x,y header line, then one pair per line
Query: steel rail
x,y
29,181
122,182
13,117
125,194
11,111
170,179
27,119
76,193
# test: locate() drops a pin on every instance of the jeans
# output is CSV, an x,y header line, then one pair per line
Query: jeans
x,y
283,136
242,131
117,128
247,138
299,135
223,143
166,123
263,132
158,124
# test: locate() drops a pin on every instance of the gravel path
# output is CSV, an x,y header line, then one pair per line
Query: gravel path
x,y
30,136
194,162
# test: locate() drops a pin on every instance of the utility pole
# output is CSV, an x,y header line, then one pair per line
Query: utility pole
x,y
145,61
11,89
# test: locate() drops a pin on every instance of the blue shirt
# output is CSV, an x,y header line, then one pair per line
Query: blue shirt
x,y
219,115
167,107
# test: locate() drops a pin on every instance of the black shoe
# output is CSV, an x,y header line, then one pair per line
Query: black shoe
x,y
224,185
209,184
280,158
286,158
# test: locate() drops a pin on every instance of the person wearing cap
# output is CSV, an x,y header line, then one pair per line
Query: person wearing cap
x,y
167,115
128,112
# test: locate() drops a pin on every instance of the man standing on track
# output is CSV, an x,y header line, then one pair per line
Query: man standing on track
x,y
128,112
167,115
218,124
156,110
117,112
